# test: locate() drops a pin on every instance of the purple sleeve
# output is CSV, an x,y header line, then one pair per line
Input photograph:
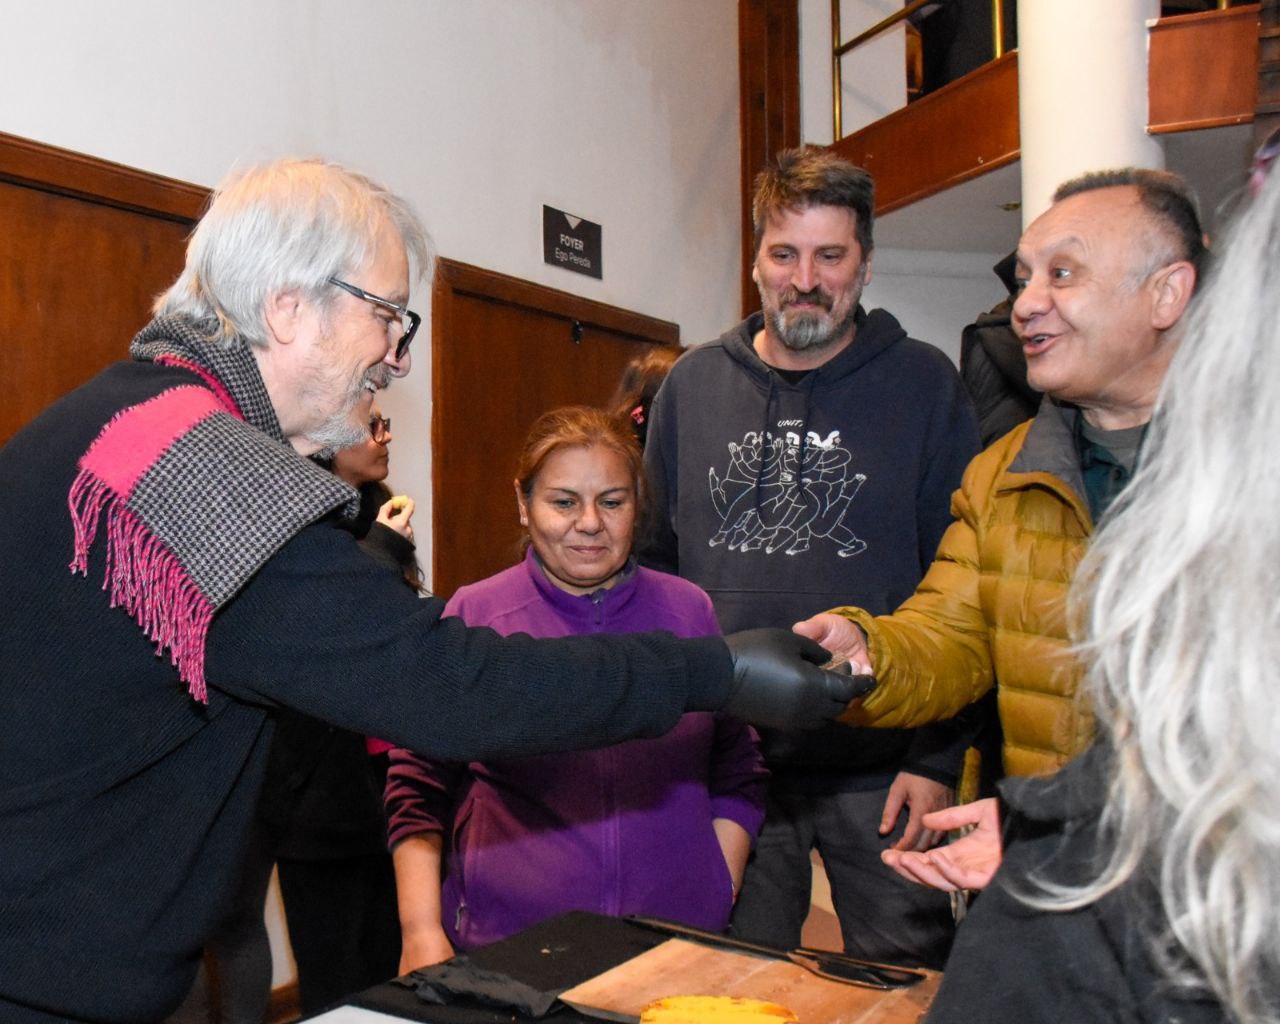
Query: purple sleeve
x,y
419,794
738,775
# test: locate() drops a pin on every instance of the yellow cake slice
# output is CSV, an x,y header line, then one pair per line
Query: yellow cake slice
x,y
715,1010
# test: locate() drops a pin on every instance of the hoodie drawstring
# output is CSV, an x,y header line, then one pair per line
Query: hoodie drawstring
x,y
765,442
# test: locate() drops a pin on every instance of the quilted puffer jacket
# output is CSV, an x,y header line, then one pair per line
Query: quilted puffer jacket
x,y
992,607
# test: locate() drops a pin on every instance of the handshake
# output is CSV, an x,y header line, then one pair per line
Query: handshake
x,y
781,681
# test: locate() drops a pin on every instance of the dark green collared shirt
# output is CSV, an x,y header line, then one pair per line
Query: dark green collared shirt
x,y
1108,459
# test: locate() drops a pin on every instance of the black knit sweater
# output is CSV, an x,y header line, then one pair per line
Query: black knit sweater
x,y
124,804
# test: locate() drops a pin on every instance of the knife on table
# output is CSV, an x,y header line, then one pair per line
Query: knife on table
x,y
825,964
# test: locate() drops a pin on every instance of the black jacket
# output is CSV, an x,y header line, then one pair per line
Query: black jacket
x,y
1014,963
322,797
994,370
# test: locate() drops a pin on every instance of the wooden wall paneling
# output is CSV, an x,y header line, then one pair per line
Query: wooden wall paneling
x,y
503,352
51,169
769,103
85,245
76,283
1203,70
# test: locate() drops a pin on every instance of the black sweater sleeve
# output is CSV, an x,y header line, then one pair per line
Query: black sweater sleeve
x,y
323,630
388,548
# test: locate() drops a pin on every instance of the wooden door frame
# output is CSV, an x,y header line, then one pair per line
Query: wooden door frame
x,y
769,105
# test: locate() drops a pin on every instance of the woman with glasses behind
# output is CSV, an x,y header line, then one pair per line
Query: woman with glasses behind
x,y
659,826
322,799
383,524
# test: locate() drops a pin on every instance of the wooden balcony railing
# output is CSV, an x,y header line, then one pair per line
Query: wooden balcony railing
x,y
970,126
839,48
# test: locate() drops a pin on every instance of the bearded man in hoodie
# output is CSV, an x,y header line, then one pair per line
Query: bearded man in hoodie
x,y
809,454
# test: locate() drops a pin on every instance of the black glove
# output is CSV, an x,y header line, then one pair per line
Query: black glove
x,y
777,682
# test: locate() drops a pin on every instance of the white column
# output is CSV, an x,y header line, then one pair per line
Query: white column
x,y
1082,85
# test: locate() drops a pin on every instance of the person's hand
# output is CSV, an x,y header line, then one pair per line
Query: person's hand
x,y
921,796
396,514
839,636
423,947
777,681
967,863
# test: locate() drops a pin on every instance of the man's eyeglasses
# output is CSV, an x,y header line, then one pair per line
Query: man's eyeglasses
x,y
380,428
409,320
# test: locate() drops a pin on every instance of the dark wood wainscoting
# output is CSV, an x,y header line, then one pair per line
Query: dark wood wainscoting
x,y
85,246
503,352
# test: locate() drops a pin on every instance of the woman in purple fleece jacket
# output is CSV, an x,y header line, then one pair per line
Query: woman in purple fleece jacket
x,y
657,826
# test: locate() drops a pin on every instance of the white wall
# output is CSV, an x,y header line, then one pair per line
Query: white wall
x,y
480,111
873,76
934,294
815,71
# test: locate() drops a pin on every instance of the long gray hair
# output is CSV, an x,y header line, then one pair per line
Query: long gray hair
x,y
1179,597
287,224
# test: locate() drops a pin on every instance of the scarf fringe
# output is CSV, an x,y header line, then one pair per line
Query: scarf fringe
x,y
144,577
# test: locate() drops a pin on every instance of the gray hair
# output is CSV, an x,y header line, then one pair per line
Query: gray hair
x,y
1179,596
283,225
1172,207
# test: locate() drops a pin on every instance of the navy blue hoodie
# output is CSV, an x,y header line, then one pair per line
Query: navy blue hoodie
x,y
785,499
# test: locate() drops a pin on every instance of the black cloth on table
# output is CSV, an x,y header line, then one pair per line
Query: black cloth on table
x,y
541,961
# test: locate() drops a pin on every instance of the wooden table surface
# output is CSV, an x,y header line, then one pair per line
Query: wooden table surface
x,y
680,967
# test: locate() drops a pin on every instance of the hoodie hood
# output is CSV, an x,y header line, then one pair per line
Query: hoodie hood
x,y
792,403
874,333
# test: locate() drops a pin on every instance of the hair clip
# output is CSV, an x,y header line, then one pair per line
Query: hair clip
x,y
1262,161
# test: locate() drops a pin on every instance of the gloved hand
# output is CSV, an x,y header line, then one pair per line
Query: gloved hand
x,y
777,681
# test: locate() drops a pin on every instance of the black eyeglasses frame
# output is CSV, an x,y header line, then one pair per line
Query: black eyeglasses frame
x,y
402,346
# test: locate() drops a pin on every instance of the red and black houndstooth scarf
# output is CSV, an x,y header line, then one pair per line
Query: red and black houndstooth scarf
x,y
199,489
